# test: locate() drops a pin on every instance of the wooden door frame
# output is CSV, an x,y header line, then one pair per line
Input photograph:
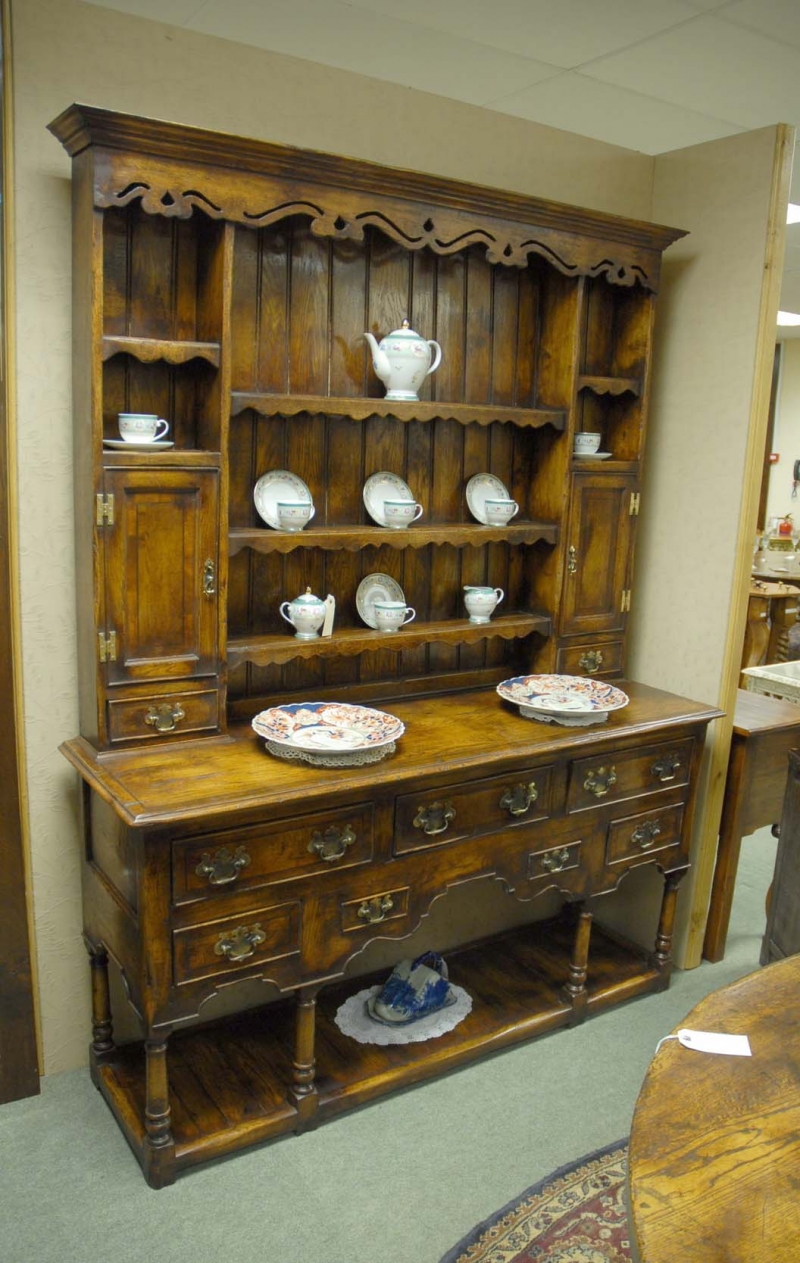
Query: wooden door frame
x,y
19,1043
711,808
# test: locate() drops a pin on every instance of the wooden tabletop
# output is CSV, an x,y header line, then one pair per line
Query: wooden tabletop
x,y
714,1163
757,713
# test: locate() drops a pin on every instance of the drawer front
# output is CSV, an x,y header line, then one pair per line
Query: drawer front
x,y
280,851
371,910
236,943
555,859
455,812
644,835
629,774
591,659
162,716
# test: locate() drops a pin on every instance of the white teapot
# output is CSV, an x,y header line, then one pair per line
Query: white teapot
x,y
306,614
402,360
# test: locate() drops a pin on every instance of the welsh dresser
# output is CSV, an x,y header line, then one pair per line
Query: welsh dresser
x,y
225,284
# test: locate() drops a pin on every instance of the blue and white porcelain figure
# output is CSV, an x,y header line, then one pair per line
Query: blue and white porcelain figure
x,y
413,990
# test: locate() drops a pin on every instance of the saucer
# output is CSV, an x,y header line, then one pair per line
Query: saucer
x,y
481,488
592,455
275,486
383,486
123,446
376,587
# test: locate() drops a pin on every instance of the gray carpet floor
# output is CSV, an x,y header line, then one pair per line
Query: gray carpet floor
x,y
400,1181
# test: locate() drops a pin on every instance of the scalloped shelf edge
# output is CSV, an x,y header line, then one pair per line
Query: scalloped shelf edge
x,y
360,409
470,536
151,350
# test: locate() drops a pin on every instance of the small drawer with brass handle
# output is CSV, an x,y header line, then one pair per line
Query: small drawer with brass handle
x,y
454,813
630,773
649,833
603,659
148,719
375,909
554,860
276,851
218,947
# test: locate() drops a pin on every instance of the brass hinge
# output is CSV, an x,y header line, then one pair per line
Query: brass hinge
x,y
626,601
634,509
107,646
105,510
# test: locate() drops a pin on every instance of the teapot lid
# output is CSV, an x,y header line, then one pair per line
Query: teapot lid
x,y
406,332
308,598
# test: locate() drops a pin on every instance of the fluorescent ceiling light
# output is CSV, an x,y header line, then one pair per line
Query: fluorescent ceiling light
x,y
788,318
793,213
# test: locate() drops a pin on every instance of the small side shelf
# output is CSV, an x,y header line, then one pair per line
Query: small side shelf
x,y
149,350
172,457
274,650
354,538
610,385
359,409
586,465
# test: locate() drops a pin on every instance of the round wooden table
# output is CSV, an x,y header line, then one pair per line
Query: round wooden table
x,y
714,1166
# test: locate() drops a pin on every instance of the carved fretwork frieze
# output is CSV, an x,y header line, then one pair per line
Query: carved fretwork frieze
x,y
345,214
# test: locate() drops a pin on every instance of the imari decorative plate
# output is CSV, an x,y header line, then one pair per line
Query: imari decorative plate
x,y
327,727
567,699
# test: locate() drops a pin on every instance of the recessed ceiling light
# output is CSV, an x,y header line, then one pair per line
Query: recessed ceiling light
x,y
788,318
793,213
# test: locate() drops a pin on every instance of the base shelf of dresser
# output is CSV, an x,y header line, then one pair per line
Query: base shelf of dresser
x,y
229,1082
272,650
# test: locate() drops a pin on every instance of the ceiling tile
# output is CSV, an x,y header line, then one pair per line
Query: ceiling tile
x,y
712,67
790,292
778,19
338,34
601,110
563,33
172,12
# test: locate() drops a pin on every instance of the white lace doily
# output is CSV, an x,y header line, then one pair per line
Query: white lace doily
x,y
353,1019
353,758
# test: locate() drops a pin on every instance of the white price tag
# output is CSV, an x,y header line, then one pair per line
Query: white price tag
x,y
330,610
714,1042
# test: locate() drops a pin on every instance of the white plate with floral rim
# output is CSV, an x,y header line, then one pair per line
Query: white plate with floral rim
x,y
483,487
327,727
563,699
275,486
376,587
383,486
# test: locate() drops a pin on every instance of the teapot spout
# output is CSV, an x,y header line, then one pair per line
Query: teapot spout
x,y
380,360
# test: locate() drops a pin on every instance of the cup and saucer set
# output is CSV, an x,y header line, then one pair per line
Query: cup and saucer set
x,y
140,432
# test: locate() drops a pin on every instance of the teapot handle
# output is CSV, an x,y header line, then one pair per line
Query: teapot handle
x,y
437,359
286,616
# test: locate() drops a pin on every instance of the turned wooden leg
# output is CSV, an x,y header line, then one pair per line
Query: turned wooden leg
x,y
102,1024
575,987
666,924
159,1145
304,1089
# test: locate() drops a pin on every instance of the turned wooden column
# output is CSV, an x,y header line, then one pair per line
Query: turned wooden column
x,y
575,986
662,955
102,1025
158,1137
304,1090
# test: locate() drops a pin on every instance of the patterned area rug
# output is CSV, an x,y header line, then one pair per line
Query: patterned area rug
x,y
576,1215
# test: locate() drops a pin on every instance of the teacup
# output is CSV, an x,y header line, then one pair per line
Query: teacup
x,y
498,512
141,427
389,615
399,513
481,602
293,515
586,443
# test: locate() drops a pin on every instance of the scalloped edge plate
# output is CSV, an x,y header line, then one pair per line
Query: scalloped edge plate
x,y
302,726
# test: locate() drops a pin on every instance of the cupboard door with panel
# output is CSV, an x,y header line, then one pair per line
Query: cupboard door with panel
x,y
160,567
596,596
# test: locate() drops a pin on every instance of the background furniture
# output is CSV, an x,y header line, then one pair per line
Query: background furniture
x,y
713,1160
225,284
765,729
782,936
771,614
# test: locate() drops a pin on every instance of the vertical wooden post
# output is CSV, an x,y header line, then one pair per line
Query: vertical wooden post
x,y
575,987
102,1023
159,1144
666,924
304,1089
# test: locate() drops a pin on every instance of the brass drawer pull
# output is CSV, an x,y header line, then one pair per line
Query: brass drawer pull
x,y
165,717
332,844
435,818
520,799
554,861
209,578
591,661
374,910
599,782
645,834
240,944
572,560
223,866
666,768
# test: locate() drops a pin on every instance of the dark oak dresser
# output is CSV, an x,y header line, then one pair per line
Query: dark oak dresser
x,y
225,284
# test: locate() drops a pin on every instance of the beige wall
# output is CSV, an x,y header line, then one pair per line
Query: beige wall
x,y
66,51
